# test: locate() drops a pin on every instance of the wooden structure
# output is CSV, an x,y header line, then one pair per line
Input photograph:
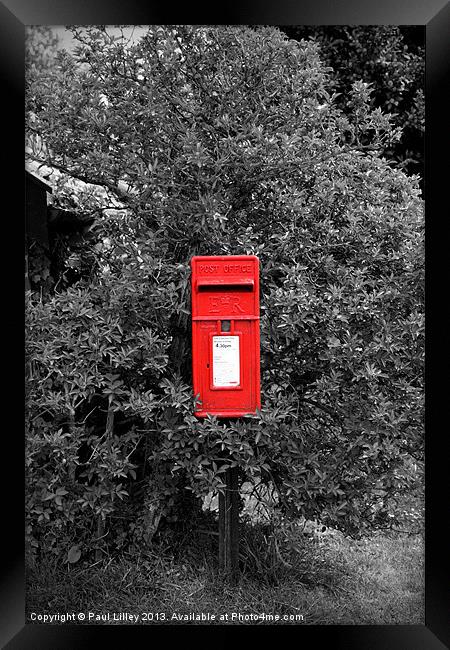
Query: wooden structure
x,y
36,208
46,225
36,224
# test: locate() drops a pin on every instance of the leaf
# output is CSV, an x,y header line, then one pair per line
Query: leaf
x,y
74,554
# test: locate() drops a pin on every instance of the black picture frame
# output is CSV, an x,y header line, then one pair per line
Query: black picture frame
x,y
435,16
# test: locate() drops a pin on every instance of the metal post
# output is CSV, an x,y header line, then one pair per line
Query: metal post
x,y
229,527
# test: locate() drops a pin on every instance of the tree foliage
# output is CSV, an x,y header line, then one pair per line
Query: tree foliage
x,y
391,60
224,141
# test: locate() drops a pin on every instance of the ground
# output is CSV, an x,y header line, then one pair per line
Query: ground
x,y
325,579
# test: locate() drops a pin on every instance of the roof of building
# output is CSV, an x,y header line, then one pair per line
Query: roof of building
x,y
33,177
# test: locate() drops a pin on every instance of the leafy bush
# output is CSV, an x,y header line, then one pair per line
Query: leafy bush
x,y
391,60
221,141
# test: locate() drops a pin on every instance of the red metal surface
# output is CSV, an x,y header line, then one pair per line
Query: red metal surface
x,y
226,372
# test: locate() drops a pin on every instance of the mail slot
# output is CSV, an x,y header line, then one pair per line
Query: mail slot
x,y
225,335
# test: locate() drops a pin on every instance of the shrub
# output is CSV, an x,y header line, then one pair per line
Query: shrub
x,y
391,60
220,141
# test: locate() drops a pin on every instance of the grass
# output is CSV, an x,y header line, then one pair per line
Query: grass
x,y
325,579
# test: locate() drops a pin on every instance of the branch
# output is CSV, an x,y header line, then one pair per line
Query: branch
x,y
323,407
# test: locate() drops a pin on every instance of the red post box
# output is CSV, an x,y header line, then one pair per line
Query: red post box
x,y
225,335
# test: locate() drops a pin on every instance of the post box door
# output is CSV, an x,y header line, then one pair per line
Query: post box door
x,y
227,373
225,334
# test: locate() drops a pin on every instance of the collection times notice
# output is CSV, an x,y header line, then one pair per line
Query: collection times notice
x,y
226,361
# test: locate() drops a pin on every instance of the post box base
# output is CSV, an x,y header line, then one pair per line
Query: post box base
x,y
224,414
